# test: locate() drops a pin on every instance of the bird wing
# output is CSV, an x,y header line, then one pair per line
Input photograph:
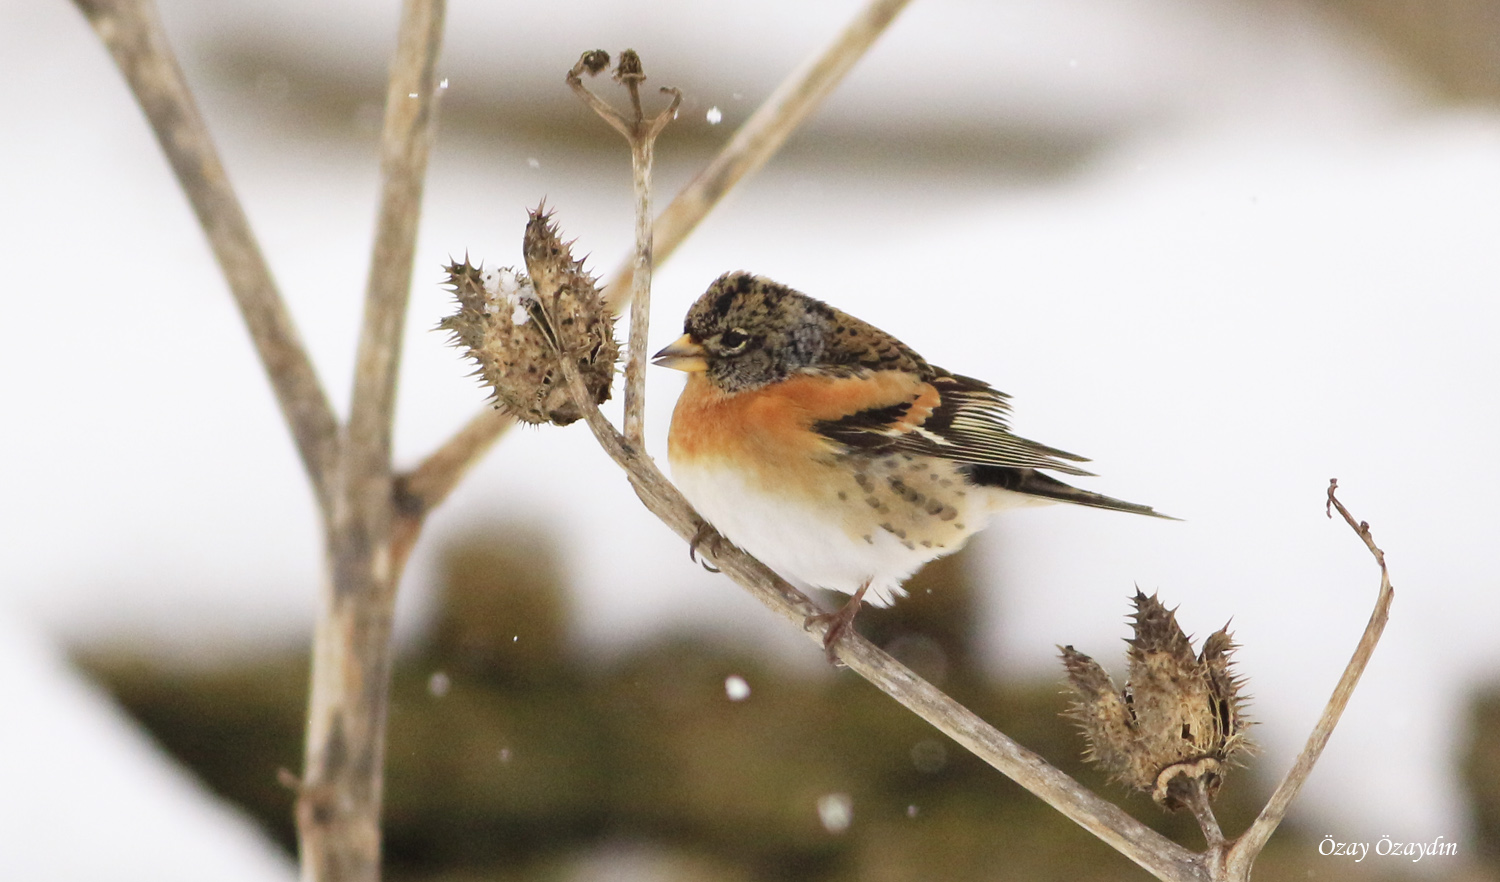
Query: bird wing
x,y
950,416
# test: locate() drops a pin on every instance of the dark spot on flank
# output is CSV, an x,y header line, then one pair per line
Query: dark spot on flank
x,y
868,539
872,502
926,543
949,513
843,497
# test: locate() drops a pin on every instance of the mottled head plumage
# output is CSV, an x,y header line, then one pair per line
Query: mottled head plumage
x,y
755,332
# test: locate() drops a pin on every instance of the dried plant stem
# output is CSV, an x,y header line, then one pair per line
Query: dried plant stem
x,y
421,489
642,152
1242,855
1203,813
338,805
132,31
640,133
747,151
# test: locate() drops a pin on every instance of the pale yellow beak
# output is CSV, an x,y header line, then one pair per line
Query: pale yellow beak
x,y
683,355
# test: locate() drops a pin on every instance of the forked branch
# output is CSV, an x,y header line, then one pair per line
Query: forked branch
x,y
1243,853
640,133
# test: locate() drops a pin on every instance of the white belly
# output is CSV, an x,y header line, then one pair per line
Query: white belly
x,y
809,543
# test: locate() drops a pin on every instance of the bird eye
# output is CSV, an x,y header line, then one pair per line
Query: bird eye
x,y
733,341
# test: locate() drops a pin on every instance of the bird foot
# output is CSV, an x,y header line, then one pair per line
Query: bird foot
x,y
839,622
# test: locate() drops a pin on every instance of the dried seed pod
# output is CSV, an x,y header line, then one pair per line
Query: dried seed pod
x,y
593,61
514,327
1179,721
569,296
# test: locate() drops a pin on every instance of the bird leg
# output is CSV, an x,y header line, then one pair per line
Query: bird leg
x,y
839,621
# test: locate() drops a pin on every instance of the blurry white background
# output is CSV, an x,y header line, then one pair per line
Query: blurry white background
x,y
1228,249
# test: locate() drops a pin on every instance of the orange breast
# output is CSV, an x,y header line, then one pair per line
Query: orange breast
x,y
771,428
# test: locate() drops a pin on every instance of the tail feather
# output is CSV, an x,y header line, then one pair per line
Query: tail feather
x,y
1034,483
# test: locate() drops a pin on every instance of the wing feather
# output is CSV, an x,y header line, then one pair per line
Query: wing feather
x,y
959,418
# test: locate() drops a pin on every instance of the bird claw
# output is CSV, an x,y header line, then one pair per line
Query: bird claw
x,y
705,534
839,622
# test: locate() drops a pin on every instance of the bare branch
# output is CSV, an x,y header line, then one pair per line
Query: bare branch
x,y
1249,845
1203,813
762,135
423,488
338,805
640,133
642,150
132,31
406,139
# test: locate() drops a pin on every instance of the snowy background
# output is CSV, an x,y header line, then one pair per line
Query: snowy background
x,y
1227,249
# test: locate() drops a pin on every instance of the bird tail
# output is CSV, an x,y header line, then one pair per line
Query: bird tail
x,y
1033,483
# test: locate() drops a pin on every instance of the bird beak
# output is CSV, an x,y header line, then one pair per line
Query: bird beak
x,y
685,354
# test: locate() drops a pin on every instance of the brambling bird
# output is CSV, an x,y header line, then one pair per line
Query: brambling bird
x,y
835,454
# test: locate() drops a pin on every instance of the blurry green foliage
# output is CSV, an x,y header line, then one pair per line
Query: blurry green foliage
x,y
514,756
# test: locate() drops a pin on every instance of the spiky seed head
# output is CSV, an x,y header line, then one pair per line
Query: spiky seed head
x,y
1178,723
630,67
593,61
514,325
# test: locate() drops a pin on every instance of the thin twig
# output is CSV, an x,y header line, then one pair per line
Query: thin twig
x,y
1242,855
338,805
747,151
132,31
640,133
412,98
1203,812
642,150
419,490
1197,801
